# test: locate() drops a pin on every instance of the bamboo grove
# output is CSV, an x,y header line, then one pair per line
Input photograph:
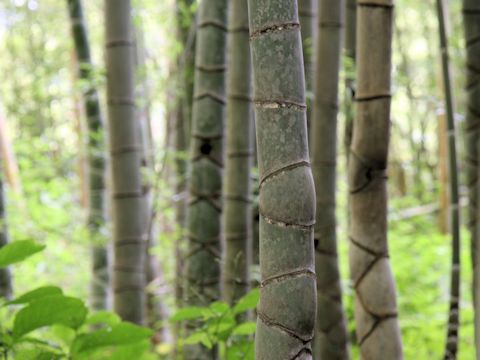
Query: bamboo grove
x,y
240,179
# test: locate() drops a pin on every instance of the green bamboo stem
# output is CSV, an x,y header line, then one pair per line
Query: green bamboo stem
x,y
471,15
5,274
239,155
286,312
129,217
96,160
350,53
331,337
202,261
451,346
306,15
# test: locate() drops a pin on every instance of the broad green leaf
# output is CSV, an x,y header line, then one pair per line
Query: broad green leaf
x,y
56,309
188,313
103,317
120,334
200,337
17,251
243,350
247,328
219,308
36,294
247,302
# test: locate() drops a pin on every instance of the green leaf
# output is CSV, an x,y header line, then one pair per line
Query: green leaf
x,y
17,251
36,294
219,308
247,328
49,310
200,337
247,302
103,317
188,313
119,334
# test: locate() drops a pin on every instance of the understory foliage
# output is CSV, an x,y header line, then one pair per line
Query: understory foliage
x,y
45,321
46,324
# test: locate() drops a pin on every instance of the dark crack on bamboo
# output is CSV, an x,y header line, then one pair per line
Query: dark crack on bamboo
x,y
473,12
207,94
217,24
378,321
126,149
240,97
378,4
121,289
330,25
301,352
280,104
211,69
366,98
473,41
287,276
287,26
119,43
207,137
209,157
128,195
306,227
246,153
132,241
283,169
240,198
282,328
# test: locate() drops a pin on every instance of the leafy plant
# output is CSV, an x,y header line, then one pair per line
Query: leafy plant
x,y
223,326
46,324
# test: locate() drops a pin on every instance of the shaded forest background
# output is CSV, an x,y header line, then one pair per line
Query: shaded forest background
x,y
41,113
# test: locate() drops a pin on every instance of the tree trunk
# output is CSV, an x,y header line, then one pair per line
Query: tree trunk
x,y
96,160
5,275
375,301
239,155
202,271
471,14
306,14
287,308
350,53
129,216
186,23
454,308
331,337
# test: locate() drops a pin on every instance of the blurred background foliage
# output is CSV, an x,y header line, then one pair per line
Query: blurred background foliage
x,y
39,101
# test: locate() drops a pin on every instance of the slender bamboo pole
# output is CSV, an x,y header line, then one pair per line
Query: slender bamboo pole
x,y
129,217
96,160
451,346
471,16
239,155
331,337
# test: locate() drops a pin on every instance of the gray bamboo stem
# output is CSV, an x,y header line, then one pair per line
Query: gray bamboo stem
x,y
471,15
331,337
287,308
377,329
239,155
451,346
202,261
129,217
96,160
